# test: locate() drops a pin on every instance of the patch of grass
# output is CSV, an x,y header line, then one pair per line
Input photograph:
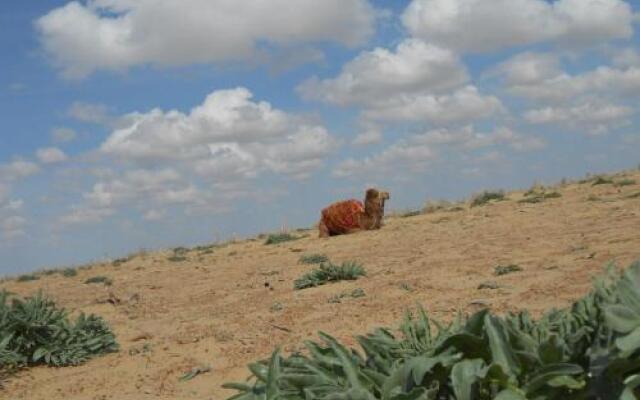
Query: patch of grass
x,y
456,209
27,278
329,272
34,331
276,238
119,261
506,269
313,259
411,213
539,197
176,258
487,196
435,206
602,180
99,279
69,272
180,250
625,182
354,294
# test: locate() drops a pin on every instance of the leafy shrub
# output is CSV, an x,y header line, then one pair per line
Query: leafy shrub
x,y
329,272
27,278
69,272
313,259
35,331
588,351
506,269
276,238
99,279
485,197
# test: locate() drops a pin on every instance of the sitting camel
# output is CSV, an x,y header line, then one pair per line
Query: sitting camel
x,y
350,216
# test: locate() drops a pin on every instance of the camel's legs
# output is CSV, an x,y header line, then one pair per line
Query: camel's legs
x,y
324,230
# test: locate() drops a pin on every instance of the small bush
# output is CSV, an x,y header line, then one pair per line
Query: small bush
x,y
276,238
313,259
27,278
119,261
35,331
625,182
69,272
99,279
329,272
487,196
602,180
506,269
176,258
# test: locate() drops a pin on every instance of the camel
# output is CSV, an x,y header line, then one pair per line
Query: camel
x,y
349,216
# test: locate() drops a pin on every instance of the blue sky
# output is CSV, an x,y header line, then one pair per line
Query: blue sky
x,y
154,123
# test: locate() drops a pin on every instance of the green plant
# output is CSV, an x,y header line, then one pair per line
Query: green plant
x,y
99,279
329,272
276,238
625,182
313,259
176,258
602,180
27,278
34,331
69,272
487,196
506,269
588,351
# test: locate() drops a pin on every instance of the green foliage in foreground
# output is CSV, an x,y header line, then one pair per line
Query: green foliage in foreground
x,y
329,272
588,351
35,331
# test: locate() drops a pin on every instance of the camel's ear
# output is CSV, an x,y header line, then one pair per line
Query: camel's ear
x,y
372,194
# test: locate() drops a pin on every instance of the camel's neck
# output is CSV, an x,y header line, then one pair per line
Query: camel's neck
x,y
374,208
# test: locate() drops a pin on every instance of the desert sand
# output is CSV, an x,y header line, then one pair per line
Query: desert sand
x,y
231,304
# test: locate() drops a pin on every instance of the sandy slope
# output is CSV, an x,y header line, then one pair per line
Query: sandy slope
x,y
215,309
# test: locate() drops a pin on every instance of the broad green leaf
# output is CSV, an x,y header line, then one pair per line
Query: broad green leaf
x,y
463,377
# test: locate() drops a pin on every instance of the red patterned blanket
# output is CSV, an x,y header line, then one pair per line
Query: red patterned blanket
x,y
341,217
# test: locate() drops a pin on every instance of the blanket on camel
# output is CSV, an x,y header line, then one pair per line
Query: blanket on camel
x,y
341,217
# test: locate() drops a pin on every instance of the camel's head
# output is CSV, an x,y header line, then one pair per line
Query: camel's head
x,y
376,196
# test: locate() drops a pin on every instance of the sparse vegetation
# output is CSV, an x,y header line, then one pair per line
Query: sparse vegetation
x,y
625,182
486,197
35,331
69,272
539,197
276,238
410,213
27,278
313,259
99,279
634,195
602,180
354,294
119,261
329,272
587,351
176,258
506,269
593,197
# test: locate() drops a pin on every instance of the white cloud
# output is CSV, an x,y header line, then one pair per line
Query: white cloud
x,y
4,192
418,152
18,169
118,34
595,118
414,67
479,26
61,135
89,112
228,135
370,135
51,155
463,105
626,57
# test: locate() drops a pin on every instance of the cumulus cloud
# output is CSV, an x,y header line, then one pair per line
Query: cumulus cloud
x,y
118,34
51,155
414,67
592,117
12,227
228,135
418,152
463,105
18,169
480,26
